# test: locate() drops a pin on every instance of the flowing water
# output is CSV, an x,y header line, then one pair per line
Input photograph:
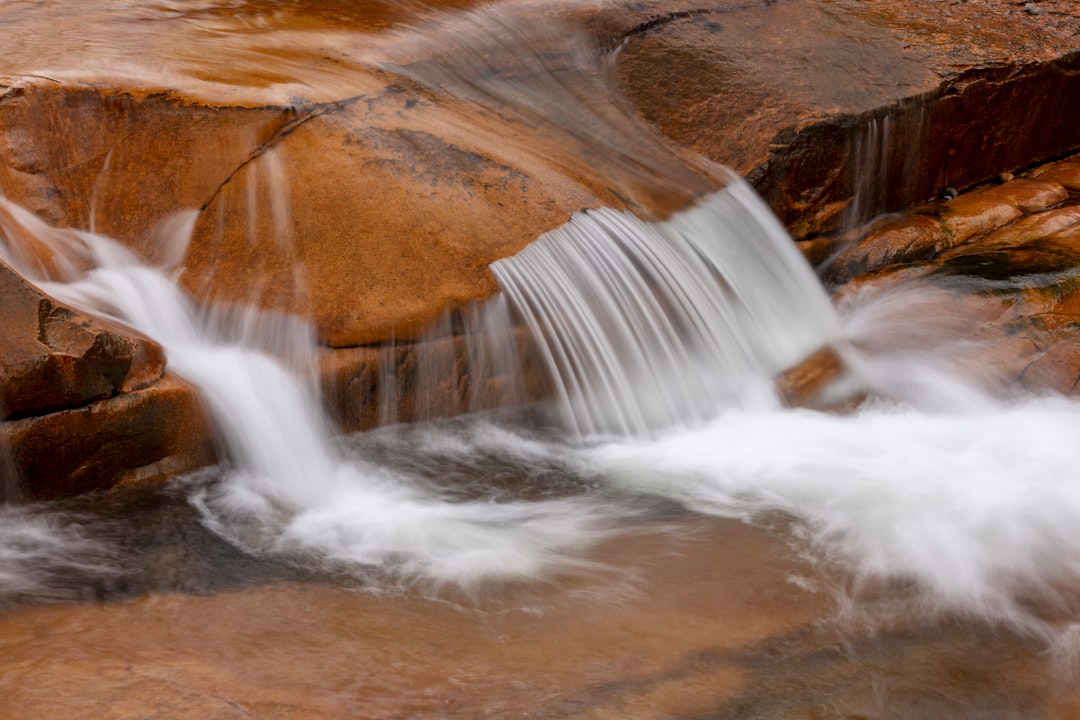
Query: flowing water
x,y
657,540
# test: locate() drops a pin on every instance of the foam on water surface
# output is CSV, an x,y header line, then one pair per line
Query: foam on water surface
x,y
661,338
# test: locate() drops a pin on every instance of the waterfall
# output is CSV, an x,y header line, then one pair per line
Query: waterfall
x,y
650,325
286,487
886,163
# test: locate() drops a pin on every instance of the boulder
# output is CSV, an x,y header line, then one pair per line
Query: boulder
x,y
140,436
86,405
837,112
54,357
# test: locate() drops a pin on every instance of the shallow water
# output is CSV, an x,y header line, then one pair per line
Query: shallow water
x,y
682,616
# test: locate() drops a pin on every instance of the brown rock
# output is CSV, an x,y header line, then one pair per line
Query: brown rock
x,y
389,228
1066,172
1056,370
1034,245
403,183
54,357
121,161
787,94
1007,358
141,436
1029,196
435,377
1066,236
804,384
975,214
1035,227
911,239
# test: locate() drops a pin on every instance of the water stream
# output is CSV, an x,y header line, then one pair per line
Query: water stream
x,y
662,339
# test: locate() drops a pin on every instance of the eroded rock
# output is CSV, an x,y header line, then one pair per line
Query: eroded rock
x,y
139,436
906,240
832,134
54,357
1066,172
1008,266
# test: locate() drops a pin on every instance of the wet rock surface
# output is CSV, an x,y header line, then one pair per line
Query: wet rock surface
x,y
54,357
1002,259
792,95
140,436
363,165
663,632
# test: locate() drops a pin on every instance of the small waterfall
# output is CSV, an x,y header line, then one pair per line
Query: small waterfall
x,y
650,325
886,163
468,361
286,488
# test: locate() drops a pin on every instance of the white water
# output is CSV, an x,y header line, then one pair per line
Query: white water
x,y
648,326
39,550
979,509
973,499
288,491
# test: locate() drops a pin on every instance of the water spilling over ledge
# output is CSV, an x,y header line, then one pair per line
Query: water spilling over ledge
x,y
376,216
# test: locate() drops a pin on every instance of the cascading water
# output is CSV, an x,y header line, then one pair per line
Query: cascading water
x,y
288,491
648,326
666,333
